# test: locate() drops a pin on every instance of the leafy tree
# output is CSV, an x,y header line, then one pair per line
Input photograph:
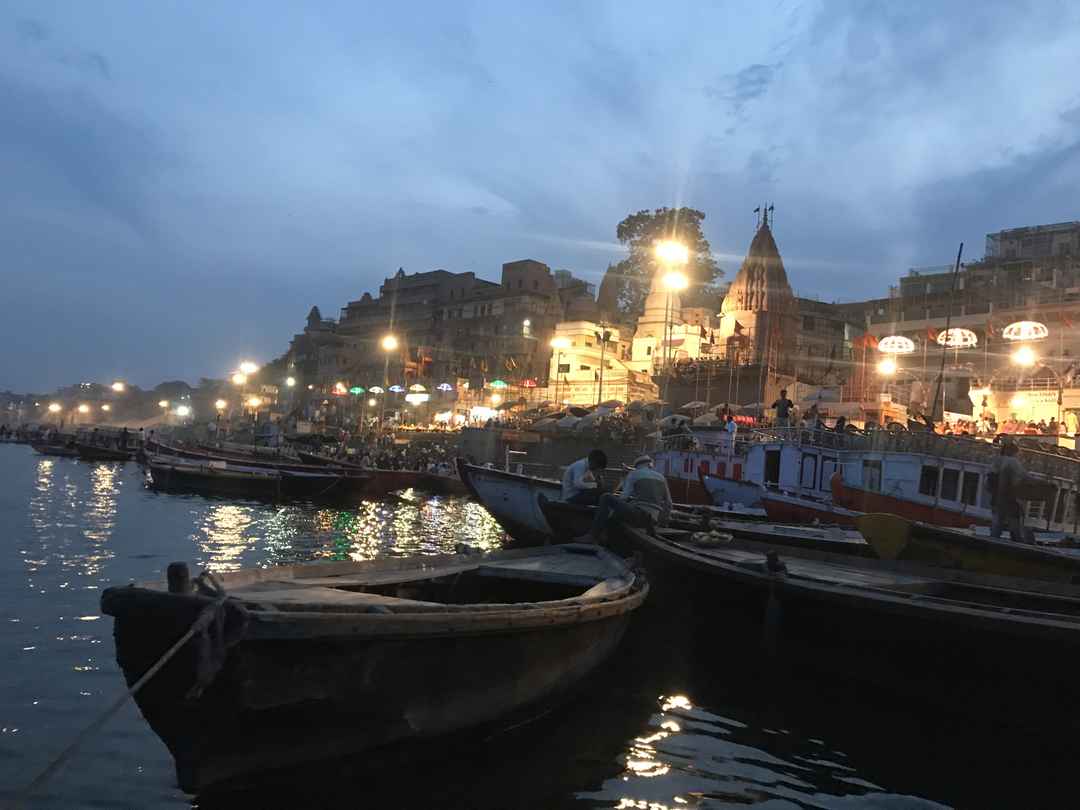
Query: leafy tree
x,y
626,284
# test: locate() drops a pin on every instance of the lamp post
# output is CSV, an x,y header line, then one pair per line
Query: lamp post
x,y
389,344
558,344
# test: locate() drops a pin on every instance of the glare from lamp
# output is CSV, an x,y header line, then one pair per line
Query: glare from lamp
x,y
183,410
560,343
106,407
239,378
674,282
389,343
163,403
54,407
372,402
220,404
290,381
84,408
496,399
1024,356
118,387
887,367
672,253
254,402
247,367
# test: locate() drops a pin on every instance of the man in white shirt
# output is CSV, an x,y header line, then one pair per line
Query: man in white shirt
x,y
645,500
580,482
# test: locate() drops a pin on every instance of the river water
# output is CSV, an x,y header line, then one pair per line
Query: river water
x,y
684,716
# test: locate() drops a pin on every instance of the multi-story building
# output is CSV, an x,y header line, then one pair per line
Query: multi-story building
x,y
447,327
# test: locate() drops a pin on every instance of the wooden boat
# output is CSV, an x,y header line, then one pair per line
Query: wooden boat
x,y
212,478
782,507
225,477
962,640
569,521
512,499
51,449
724,491
393,480
97,452
317,660
895,538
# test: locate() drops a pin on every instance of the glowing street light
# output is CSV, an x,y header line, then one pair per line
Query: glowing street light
x,y
290,381
183,410
496,399
372,402
672,253
118,387
84,408
54,407
254,402
389,343
106,407
887,367
896,344
239,378
675,281
220,404
247,367
1025,330
163,403
1024,356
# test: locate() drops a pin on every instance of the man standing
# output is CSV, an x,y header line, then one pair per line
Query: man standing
x,y
1006,505
783,408
645,499
580,484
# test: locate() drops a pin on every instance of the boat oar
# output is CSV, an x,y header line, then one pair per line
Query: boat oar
x,y
886,534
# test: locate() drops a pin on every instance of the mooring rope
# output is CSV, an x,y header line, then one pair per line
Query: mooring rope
x,y
201,621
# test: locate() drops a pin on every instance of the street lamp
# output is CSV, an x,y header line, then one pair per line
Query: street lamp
x,y
1024,356
558,344
247,367
84,408
239,378
54,407
106,407
163,403
290,381
254,402
220,405
118,387
887,367
389,344
183,410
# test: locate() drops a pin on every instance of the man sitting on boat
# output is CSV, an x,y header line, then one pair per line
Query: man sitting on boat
x,y
645,500
580,482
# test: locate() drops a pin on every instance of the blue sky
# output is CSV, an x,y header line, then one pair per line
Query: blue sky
x,y
182,181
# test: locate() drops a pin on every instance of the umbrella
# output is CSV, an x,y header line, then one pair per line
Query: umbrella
x,y
568,421
696,404
673,420
611,403
707,419
546,426
579,412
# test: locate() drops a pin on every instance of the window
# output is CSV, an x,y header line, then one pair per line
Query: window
x,y
950,484
648,350
871,476
928,479
808,471
584,368
969,492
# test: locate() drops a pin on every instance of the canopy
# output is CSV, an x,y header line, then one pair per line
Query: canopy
x,y
696,404
674,420
611,403
568,421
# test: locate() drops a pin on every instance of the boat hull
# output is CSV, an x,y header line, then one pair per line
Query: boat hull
x,y
723,491
513,500
283,701
881,643
90,452
62,450
782,508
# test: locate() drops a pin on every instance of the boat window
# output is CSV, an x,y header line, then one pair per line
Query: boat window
x,y
871,475
969,493
928,481
950,484
808,473
736,472
721,469
772,467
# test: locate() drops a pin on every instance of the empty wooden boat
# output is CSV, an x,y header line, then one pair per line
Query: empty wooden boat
x,y
317,660
55,449
895,538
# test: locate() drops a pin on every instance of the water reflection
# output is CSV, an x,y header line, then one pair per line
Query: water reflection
x,y
223,535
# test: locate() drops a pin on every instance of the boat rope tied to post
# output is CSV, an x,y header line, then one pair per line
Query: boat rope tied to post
x,y
212,614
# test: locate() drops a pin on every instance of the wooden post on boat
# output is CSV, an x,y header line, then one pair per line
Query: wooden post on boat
x,y
944,345
179,577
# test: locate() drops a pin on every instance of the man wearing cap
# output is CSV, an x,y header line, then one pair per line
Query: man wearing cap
x,y
645,499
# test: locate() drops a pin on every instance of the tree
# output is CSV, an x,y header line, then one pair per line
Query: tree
x,y
627,283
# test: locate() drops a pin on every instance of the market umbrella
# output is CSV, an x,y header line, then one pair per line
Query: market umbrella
x,y
568,421
691,406
546,426
611,403
674,420
707,419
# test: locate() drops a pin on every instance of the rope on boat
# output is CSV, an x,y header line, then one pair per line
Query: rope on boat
x,y
202,621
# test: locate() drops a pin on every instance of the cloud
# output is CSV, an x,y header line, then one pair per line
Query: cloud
x,y
739,89
32,30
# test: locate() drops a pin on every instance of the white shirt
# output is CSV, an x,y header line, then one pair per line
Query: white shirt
x,y
577,479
